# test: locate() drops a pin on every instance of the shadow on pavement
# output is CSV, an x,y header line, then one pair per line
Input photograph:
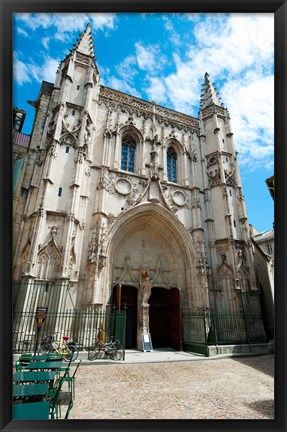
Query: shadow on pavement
x,y
264,363
264,407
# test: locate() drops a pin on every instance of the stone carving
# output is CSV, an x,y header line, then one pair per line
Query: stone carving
x,y
106,182
69,137
179,198
123,186
40,157
240,194
88,168
71,217
230,178
191,154
97,246
53,149
145,285
202,266
138,107
154,165
111,219
87,133
167,197
213,172
41,210
82,59
195,201
81,155
206,195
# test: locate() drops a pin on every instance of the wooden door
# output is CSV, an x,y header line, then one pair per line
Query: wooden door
x,y
164,318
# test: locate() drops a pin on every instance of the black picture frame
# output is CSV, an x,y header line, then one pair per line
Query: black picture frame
x,y
8,7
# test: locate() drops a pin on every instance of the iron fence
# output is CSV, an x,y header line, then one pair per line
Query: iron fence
x,y
82,326
209,327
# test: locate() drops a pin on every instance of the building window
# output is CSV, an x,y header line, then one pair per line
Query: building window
x,y
60,192
78,87
230,193
67,149
269,248
73,112
171,165
234,223
128,153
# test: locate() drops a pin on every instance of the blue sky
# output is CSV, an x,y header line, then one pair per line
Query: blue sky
x,y
163,58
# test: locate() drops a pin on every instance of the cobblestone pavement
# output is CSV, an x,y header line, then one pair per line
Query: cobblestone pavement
x,y
226,388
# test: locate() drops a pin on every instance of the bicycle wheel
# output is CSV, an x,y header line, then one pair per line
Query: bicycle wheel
x,y
73,354
116,355
45,348
94,352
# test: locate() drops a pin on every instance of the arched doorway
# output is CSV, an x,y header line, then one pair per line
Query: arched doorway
x,y
164,318
148,236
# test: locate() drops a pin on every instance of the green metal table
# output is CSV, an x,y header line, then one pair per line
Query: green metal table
x,y
21,390
26,376
43,365
41,357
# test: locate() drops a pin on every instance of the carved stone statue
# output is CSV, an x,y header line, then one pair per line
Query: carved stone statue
x,y
145,286
146,290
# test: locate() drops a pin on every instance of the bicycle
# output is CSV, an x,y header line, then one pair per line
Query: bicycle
x,y
68,350
113,349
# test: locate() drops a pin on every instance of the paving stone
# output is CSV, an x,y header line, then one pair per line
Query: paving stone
x,y
230,388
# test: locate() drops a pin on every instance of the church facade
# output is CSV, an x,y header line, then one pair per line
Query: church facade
x,y
132,203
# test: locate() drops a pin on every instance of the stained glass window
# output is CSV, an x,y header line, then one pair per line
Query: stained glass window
x,y
128,153
171,165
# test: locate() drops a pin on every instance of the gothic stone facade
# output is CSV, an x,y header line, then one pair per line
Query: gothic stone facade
x,y
131,201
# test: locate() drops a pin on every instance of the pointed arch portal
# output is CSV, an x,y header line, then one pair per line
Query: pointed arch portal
x,y
151,237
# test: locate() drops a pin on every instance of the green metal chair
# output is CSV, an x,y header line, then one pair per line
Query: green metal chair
x,y
71,380
54,394
31,411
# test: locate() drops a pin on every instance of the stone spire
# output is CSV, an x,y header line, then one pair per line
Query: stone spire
x,y
85,44
209,95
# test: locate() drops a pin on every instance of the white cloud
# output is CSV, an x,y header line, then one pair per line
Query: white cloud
x,y
157,90
22,32
49,69
68,22
122,85
149,58
237,51
20,71
251,105
45,41
26,72
126,69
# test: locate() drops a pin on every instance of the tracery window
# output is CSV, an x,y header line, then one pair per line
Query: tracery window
x,y
171,165
128,153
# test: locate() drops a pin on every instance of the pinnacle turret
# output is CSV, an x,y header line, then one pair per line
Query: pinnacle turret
x,y
209,95
85,44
